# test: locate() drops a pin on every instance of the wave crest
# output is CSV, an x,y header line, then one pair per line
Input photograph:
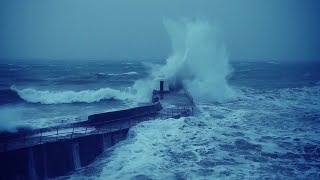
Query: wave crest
x,y
127,73
60,97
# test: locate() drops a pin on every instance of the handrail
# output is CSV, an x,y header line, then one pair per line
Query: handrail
x,y
85,124
83,128
188,96
76,124
96,128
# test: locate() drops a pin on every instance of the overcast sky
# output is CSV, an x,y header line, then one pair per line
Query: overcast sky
x,y
133,29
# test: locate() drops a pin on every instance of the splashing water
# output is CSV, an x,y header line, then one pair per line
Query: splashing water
x,y
199,62
58,97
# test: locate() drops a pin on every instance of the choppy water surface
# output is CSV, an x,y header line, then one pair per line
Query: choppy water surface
x,y
41,94
271,131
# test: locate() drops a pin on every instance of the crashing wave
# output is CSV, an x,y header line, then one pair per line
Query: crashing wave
x,y
199,63
59,97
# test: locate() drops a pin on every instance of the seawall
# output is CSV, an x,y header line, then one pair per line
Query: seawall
x,y
40,156
57,158
58,151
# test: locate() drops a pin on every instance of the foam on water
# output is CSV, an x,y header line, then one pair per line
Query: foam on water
x,y
57,97
253,137
260,134
127,73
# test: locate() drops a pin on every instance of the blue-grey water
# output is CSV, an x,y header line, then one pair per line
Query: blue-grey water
x,y
50,93
270,131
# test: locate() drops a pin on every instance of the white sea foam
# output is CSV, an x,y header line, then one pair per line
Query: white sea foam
x,y
249,138
126,73
58,97
272,62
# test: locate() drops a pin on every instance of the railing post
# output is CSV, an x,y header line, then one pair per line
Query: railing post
x,y
72,133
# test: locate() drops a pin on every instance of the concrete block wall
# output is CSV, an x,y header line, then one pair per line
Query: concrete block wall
x,y
58,158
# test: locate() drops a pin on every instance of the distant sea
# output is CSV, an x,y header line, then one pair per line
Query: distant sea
x,y
270,131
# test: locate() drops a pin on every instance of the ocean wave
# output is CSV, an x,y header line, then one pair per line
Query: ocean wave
x,y
59,97
272,62
126,73
286,98
127,63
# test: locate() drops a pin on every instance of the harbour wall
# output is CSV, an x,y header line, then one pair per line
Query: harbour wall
x,y
57,158
121,114
63,156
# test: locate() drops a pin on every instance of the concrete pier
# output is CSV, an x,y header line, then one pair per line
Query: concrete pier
x,y
58,151
58,158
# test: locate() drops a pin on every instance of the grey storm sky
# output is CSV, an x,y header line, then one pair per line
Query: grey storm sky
x,y
133,29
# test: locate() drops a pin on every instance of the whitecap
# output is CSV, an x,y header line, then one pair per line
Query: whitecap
x,y
126,73
58,97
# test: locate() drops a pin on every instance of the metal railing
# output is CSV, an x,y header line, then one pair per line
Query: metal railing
x,y
189,97
65,132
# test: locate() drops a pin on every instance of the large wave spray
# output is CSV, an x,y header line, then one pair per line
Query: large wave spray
x,y
199,61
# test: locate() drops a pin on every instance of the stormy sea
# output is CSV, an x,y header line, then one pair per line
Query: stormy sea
x,y
254,119
271,129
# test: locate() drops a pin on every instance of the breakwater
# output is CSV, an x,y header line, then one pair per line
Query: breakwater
x,y
57,151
